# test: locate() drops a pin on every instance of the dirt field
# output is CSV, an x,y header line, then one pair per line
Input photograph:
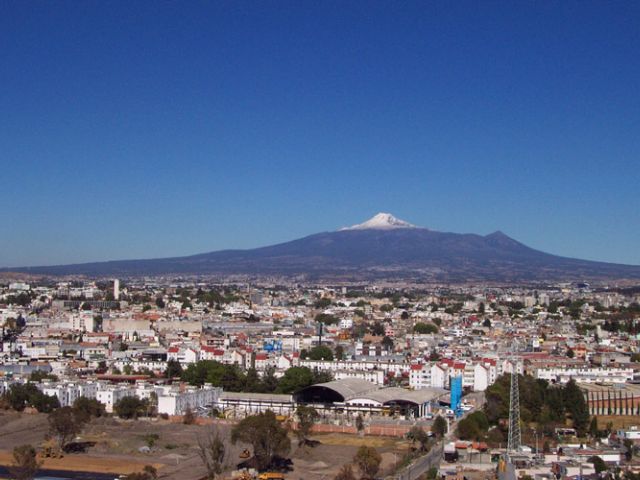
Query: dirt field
x,y
126,446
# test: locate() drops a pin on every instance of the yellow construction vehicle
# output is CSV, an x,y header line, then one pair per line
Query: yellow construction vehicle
x,y
271,476
50,449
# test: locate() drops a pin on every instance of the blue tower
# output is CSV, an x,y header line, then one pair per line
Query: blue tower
x,y
456,395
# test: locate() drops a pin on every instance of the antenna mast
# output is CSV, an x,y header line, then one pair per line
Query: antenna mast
x,y
513,444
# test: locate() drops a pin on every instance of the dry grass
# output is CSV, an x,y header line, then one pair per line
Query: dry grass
x,y
87,463
355,440
618,421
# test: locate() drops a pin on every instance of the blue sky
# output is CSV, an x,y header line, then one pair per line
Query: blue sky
x,y
148,129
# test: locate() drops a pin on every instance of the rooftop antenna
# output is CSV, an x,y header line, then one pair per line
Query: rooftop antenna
x,y
513,444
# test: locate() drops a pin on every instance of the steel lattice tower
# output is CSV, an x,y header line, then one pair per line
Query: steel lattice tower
x,y
513,444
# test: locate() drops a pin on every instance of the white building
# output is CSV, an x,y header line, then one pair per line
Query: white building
x,y
632,433
176,402
109,395
585,374
420,376
182,355
241,404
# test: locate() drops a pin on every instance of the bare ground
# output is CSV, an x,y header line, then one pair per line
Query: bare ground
x,y
120,447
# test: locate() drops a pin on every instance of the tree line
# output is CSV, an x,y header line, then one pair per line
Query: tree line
x,y
233,379
547,405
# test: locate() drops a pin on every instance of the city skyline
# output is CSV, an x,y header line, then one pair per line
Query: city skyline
x,y
155,130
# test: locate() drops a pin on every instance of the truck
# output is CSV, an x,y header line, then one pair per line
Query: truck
x,y
450,452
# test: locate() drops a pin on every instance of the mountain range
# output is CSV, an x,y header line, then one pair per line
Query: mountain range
x,y
382,247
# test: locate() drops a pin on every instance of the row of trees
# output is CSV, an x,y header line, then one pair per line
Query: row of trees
x,y
23,395
232,379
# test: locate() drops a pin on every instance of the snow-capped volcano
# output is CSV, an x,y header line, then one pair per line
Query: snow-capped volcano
x,y
381,221
380,248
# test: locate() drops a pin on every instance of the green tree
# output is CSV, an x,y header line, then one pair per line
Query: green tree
x,y
64,425
307,416
85,408
24,463
359,423
418,435
322,303
252,381
19,396
368,461
174,369
377,329
212,452
320,352
339,352
425,328
265,434
387,343
327,319
130,407
439,427
229,377
269,380
38,375
577,407
44,403
473,427
628,449
598,464
294,379
321,376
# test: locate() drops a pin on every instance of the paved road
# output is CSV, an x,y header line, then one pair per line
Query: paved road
x,y
433,458
422,464
66,474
